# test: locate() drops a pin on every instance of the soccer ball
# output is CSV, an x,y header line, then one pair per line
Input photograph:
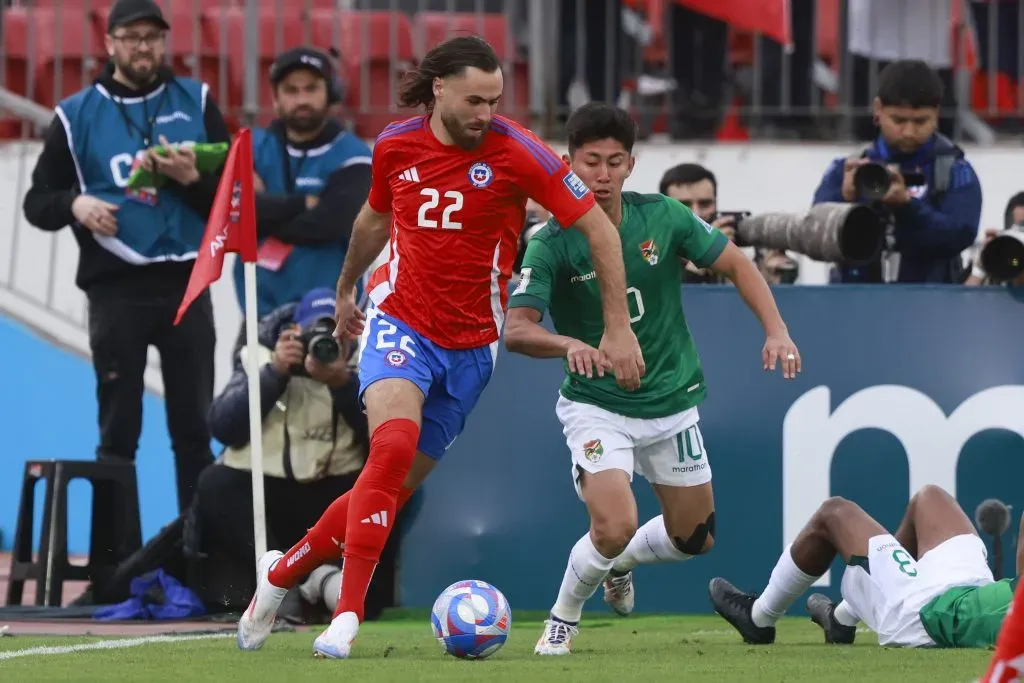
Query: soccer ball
x,y
471,619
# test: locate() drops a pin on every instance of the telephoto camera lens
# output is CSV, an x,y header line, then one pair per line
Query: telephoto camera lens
x,y
872,181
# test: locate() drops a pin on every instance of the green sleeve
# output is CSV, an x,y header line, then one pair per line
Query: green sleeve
x,y
696,241
540,266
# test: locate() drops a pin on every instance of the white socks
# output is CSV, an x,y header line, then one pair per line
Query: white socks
x,y
583,575
785,586
649,545
845,615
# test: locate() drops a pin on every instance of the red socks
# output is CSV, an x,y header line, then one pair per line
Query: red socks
x,y
322,544
1008,661
372,509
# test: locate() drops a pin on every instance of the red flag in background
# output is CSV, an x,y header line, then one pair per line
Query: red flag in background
x,y
232,223
768,17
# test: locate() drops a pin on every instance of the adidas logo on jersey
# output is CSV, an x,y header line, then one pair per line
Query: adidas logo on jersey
x,y
410,174
379,518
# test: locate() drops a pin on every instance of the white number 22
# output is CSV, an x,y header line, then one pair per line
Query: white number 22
x,y
433,200
387,330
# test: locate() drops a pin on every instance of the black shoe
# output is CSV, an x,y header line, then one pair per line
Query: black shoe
x,y
823,613
735,606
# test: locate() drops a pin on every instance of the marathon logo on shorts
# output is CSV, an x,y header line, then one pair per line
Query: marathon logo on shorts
x,y
593,450
578,188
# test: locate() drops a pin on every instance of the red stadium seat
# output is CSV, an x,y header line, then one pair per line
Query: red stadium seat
x,y
224,37
376,48
432,28
49,55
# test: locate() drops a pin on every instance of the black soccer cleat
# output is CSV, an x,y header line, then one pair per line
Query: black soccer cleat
x,y
735,606
823,613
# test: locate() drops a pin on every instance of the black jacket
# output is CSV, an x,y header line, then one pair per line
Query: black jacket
x,y
229,414
55,187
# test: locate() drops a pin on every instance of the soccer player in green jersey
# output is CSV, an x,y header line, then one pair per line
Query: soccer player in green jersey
x,y
612,432
927,585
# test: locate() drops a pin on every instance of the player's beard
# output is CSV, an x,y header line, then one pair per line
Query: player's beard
x,y
460,135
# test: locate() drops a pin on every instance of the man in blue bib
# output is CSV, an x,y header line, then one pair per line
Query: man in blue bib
x,y
137,247
313,177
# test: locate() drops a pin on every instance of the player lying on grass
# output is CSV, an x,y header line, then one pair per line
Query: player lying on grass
x,y
929,585
611,432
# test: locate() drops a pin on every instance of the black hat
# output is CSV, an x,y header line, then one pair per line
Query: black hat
x,y
311,60
129,11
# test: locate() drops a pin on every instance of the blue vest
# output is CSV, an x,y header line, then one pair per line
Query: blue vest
x,y
286,170
107,134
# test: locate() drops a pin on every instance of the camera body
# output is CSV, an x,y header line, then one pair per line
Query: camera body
x,y
318,341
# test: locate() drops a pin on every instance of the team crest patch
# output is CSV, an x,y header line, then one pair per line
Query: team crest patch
x,y
593,450
480,174
649,250
397,358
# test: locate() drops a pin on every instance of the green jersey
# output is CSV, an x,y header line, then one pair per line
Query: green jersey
x,y
968,616
558,274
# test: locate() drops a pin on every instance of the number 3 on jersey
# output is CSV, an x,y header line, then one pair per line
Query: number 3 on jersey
x,y
433,200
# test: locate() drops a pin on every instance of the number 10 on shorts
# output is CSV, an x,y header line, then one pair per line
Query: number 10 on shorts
x,y
689,444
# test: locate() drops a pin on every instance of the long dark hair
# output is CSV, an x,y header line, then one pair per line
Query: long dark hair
x,y
450,58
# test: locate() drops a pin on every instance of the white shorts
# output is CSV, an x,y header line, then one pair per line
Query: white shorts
x,y
888,596
665,450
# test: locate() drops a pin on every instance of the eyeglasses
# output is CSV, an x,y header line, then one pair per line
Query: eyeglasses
x,y
133,40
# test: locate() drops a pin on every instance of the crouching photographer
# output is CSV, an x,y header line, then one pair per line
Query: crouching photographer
x,y
315,442
917,181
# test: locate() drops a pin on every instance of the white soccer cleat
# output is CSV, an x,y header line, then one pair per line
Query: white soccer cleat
x,y
256,623
556,639
618,593
336,641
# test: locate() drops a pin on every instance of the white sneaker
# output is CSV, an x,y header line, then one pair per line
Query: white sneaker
x,y
336,641
556,639
256,623
618,593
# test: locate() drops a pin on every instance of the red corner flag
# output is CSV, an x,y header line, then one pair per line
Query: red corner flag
x,y
232,224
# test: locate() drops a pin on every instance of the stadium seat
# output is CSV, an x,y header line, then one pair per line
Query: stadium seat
x,y
433,28
376,48
224,36
49,55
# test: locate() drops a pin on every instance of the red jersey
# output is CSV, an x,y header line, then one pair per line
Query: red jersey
x,y
456,219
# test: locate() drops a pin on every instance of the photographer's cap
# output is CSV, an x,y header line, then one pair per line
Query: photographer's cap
x,y
316,304
126,12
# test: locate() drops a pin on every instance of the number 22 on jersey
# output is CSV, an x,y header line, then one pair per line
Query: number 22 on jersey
x,y
429,207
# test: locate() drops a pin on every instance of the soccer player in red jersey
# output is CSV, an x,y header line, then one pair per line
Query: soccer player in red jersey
x,y
449,196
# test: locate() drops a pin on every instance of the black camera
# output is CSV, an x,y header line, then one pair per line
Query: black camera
x,y
873,180
318,341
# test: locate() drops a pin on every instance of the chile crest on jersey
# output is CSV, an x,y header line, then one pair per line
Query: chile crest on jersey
x,y
480,175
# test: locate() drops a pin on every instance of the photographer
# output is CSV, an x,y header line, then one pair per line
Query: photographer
x,y
917,179
315,442
697,188
1013,220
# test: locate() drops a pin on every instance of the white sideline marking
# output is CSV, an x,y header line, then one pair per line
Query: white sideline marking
x,y
118,644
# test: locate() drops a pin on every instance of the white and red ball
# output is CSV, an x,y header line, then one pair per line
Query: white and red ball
x,y
471,619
